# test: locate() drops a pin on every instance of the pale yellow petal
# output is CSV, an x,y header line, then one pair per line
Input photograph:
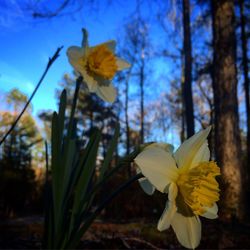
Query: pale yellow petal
x,y
173,191
211,212
122,64
187,230
74,53
145,184
158,166
165,146
170,210
203,154
107,93
167,216
188,150
89,80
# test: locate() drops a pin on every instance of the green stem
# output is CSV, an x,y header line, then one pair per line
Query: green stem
x,y
51,61
114,194
72,114
123,162
66,175
65,172
77,237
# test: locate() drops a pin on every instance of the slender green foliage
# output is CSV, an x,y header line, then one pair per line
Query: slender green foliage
x,y
72,188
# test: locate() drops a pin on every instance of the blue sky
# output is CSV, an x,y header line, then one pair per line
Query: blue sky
x,y
26,45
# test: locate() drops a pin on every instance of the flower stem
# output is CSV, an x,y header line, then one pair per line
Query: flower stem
x,y
51,61
77,236
74,104
116,192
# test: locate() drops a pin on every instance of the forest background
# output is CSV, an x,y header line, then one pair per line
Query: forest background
x,y
189,69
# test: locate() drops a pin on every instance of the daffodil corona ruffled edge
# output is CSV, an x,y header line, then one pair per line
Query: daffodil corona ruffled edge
x,y
97,65
189,179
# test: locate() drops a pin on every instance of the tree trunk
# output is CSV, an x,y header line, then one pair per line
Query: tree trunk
x,y
189,109
227,134
247,102
142,101
126,116
127,120
246,79
183,112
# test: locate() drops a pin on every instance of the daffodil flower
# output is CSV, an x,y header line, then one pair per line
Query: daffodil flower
x,y
97,65
189,179
145,184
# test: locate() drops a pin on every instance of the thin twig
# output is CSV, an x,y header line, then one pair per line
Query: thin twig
x,y
51,61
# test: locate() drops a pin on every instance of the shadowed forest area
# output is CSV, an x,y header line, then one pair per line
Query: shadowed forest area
x,y
189,69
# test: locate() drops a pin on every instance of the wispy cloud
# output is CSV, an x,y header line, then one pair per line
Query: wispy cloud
x,y
29,86
10,78
10,13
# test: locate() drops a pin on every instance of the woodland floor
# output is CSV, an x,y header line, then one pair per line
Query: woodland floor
x,y
25,233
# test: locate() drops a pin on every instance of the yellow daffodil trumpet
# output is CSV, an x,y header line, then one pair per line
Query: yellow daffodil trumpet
x,y
97,65
189,178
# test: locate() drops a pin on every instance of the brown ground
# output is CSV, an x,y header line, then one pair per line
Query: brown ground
x,y
25,233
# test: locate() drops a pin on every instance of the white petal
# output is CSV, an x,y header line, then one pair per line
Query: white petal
x,y
107,93
173,191
74,53
122,64
170,209
211,212
187,230
165,146
188,150
145,184
89,80
167,216
203,154
158,166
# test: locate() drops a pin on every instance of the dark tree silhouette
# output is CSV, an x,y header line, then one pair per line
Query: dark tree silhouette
x,y
227,135
246,78
187,86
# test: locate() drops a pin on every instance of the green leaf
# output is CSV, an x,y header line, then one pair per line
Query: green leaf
x,y
122,163
78,235
48,219
88,169
61,114
112,147
57,173
71,127
63,151
55,153
84,173
77,171
68,160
